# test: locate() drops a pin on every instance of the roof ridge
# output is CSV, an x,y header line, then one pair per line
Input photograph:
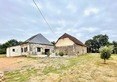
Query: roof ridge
x,y
38,38
32,37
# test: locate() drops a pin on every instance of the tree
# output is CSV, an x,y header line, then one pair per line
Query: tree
x,y
9,43
90,45
114,43
53,42
105,52
98,41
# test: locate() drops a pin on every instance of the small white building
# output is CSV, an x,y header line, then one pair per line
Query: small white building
x,y
34,46
14,51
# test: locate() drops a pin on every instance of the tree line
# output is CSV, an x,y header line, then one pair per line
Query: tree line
x,y
9,43
99,41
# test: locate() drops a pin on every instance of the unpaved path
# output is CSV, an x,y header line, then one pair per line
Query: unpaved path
x,y
7,64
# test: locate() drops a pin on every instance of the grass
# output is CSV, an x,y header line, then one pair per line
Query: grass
x,y
2,55
85,68
20,75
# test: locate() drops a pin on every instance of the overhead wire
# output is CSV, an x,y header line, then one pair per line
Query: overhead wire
x,y
43,17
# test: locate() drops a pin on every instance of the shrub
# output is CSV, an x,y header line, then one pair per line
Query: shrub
x,y
48,54
61,53
105,52
2,51
56,54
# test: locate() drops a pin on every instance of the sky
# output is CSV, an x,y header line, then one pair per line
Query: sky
x,y
83,19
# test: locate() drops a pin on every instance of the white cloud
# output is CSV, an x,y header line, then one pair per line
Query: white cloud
x,y
108,32
59,28
38,4
72,8
33,21
62,23
79,35
111,33
52,8
89,29
72,30
46,32
58,12
90,11
18,29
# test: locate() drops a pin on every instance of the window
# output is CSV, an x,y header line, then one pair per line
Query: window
x,y
25,49
21,49
38,49
13,50
30,48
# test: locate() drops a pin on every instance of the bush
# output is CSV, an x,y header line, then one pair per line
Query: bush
x,y
2,51
61,53
56,54
105,52
48,54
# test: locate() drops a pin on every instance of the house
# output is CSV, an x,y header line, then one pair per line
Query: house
x,y
69,45
34,46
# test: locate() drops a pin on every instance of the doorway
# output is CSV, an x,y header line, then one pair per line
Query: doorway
x,y
47,50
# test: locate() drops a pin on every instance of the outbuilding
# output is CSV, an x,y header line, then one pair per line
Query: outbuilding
x,y
69,45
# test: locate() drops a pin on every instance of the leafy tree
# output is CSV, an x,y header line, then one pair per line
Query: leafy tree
x,y
90,45
53,42
9,43
98,41
114,43
105,52
2,51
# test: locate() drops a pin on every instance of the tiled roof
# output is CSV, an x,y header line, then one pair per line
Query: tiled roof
x,y
39,38
76,41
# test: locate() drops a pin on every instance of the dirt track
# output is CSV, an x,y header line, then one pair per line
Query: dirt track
x,y
9,63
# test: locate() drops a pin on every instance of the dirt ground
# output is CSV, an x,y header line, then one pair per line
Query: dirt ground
x,y
86,68
7,64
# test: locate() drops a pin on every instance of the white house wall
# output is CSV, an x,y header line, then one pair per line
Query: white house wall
x,y
14,51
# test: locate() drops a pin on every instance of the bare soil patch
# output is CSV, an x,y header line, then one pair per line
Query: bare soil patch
x,y
7,64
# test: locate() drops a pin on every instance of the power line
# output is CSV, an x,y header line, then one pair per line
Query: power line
x,y
43,17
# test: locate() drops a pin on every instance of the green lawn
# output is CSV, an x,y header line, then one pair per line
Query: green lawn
x,y
85,68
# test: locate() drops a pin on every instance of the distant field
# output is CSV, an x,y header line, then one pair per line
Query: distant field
x,y
85,68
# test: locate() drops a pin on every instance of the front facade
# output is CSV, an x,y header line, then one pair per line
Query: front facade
x,y
69,45
34,46
35,49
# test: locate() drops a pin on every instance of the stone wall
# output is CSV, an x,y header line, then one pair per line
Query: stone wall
x,y
33,49
67,50
23,46
71,50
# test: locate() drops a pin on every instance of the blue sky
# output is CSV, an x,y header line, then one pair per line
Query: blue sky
x,y
19,19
